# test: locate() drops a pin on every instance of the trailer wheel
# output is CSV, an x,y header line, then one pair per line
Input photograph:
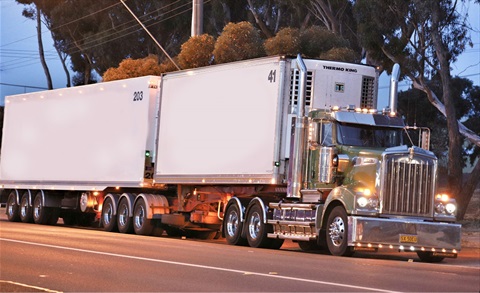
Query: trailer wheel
x,y
40,215
124,222
427,256
26,214
109,219
233,226
337,232
256,228
141,224
13,211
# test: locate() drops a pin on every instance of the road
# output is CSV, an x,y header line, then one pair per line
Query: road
x,y
65,259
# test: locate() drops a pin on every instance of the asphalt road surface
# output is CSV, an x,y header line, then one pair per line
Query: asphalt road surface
x,y
35,258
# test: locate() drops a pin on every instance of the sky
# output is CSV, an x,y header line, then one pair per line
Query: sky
x,y
21,70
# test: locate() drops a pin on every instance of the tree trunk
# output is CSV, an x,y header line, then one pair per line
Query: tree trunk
x,y
259,21
40,49
455,160
468,190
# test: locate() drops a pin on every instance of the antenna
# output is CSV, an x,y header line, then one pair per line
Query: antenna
x,y
151,36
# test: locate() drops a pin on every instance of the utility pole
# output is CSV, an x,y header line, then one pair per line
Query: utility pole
x,y
197,17
148,32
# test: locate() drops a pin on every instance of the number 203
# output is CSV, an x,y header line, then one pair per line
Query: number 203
x,y
137,96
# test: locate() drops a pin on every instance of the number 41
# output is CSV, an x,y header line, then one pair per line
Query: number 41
x,y
272,75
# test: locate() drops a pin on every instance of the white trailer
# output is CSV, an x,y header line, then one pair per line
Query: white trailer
x,y
82,138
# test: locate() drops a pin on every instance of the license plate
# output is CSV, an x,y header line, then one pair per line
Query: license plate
x,y
408,238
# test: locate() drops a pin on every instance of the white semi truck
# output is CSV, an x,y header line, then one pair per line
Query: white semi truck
x,y
257,151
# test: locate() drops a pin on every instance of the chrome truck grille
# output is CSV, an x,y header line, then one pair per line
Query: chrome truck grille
x,y
408,184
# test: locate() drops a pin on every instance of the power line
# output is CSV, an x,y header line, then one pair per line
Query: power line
x,y
24,86
108,38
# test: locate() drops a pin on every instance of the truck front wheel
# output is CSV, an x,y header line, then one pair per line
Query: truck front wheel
x,y
337,232
233,226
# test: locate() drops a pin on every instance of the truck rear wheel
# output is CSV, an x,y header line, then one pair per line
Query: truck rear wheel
x,y
13,211
109,219
124,221
256,228
233,226
337,232
26,214
141,224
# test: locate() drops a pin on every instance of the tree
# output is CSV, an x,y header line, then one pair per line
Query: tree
x,y
424,37
337,17
196,52
129,68
316,40
35,13
238,41
286,41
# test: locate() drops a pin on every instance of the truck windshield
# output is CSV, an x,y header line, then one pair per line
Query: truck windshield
x,y
368,136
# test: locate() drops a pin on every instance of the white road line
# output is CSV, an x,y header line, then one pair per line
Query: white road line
x,y
30,287
201,266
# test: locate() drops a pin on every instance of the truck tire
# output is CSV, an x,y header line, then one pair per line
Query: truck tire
x,y
427,256
12,210
256,228
124,221
233,226
109,218
142,225
337,232
40,213
26,213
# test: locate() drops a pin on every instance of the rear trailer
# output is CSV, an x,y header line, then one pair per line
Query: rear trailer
x,y
81,138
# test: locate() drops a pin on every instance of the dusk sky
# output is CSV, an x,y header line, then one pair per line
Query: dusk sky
x,y
20,65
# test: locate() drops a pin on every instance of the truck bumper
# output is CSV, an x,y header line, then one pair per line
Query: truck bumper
x,y
404,235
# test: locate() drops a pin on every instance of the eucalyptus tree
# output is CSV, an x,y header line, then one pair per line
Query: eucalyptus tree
x,y
425,37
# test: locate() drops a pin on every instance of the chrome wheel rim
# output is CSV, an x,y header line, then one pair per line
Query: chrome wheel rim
x,y
139,217
254,225
232,223
336,231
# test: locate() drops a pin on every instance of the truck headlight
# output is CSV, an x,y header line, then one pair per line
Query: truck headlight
x,y
445,206
450,208
366,200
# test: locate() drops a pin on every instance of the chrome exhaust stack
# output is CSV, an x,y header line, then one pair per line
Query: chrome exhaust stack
x,y
298,139
394,88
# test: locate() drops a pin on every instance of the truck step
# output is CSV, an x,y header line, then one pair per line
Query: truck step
x,y
291,237
291,223
283,205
